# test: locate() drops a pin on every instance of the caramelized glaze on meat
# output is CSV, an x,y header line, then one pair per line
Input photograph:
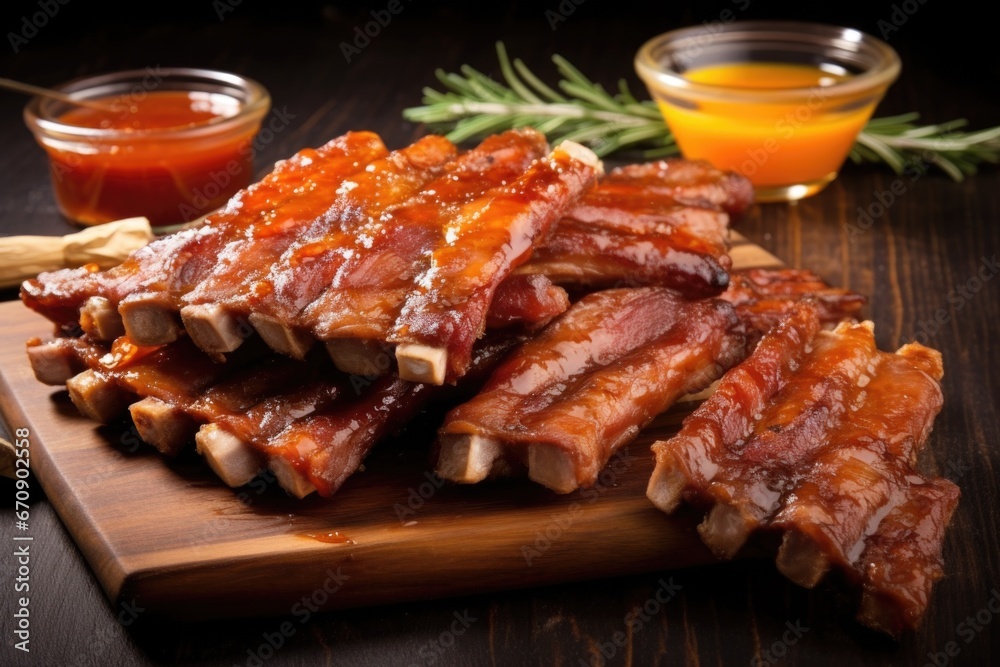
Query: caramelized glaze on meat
x,y
763,297
483,244
591,380
295,193
664,223
375,270
815,436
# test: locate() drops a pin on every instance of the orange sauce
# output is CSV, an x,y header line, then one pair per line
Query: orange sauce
x,y
772,143
168,178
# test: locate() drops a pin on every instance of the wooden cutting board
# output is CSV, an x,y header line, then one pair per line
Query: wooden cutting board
x,y
172,537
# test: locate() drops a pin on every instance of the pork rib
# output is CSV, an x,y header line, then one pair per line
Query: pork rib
x,y
489,238
246,280
564,402
375,270
664,223
165,269
815,436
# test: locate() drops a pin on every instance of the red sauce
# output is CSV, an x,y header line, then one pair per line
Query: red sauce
x,y
165,176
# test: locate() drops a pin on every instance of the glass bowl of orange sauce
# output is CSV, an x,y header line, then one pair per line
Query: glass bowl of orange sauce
x,y
781,102
170,144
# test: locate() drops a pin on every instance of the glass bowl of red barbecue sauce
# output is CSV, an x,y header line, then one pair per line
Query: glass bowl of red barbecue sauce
x,y
170,144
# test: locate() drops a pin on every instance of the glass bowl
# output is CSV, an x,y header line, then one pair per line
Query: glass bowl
x,y
108,165
780,102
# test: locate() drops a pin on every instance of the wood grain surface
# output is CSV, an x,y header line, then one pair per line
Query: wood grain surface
x,y
923,258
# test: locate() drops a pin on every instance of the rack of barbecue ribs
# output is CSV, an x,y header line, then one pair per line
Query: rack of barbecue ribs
x,y
310,424
408,255
426,266
265,261
815,436
664,223
647,347
397,260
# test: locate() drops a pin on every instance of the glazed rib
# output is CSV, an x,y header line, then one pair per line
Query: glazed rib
x,y
168,267
375,271
691,183
270,275
868,456
664,195
576,254
815,436
763,297
906,548
564,402
311,425
663,223
491,236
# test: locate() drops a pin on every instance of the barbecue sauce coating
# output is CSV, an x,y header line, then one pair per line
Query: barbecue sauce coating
x,y
294,193
815,436
664,223
598,374
482,245
526,299
248,272
376,268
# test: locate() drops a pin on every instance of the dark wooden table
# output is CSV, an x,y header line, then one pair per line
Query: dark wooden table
x,y
927,262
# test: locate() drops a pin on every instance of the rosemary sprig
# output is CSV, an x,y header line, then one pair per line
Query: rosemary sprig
x,y
473,105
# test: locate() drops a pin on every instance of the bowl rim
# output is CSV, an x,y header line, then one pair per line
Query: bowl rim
x,y
881,75
257,103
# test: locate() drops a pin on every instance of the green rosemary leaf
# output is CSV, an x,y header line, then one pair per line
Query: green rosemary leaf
x,y
473,104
